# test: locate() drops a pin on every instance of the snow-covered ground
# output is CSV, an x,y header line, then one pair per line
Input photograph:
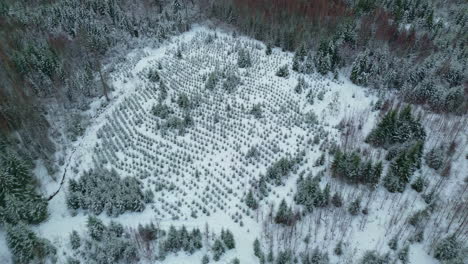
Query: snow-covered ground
x,y
205,172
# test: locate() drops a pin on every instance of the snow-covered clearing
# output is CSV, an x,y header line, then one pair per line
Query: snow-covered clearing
x,y
202,175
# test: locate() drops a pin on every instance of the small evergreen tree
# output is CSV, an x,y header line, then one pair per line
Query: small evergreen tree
x,y
257,249
283,72
337,201
355,206
338,249
205,259
228,239
218,249
418,184
403,255
75,240
268,49
250,200
284,214
447,249
393,243
95,227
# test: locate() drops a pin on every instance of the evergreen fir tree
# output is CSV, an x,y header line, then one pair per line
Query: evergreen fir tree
x,y
403,255
284,214
205,259
25,246
338,249
250,200
268,49
393,243
283,71
355,206
326,196
418,184
447,249
257,248
228,239
337,201
212,81
75,240
435,158
95,227
218,250
172,243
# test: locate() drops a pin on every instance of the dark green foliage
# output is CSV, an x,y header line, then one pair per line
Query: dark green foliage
x,y
95,227
268,49
250,200
309,193
279,170
162,111
338,249
301,85
396,128
108,244
103,190
231,82
418,184
283,71
403,255
284,215
75,240
257,111
228,239
418,218
317,257
258,249
19,200
435,158
447,248
327,58
364,66
244,61
355,206
336,200
212,81
177,240
218,249
284,257
153,75
270,256
372,257
350,167
183,101
163,91
402,168
25,246
205,259
393,243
